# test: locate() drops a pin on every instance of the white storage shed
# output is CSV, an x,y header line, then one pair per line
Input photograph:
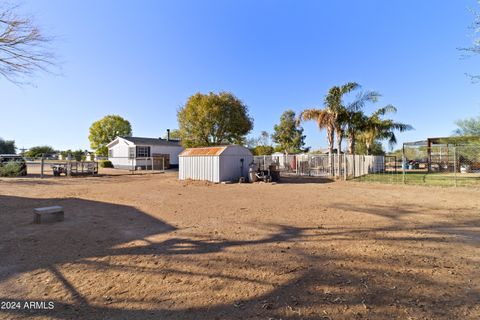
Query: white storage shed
x,y
215,164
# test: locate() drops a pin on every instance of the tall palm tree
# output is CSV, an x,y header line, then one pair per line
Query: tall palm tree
x,y
383,129
334,105
324,120
355,123
353,117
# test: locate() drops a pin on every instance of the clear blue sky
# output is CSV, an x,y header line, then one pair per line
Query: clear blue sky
x,y
142,59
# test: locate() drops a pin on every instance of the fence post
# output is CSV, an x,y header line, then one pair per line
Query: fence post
x,y
69,165
297,169
152,164
404,162
345,166
41,166
337,167
455,164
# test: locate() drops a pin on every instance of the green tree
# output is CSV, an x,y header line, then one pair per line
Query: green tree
x,y
77,155
352,118
378,129
468,127
174,134
263,150
7,146
105,130
38,151
334,105
213,119
288,135
324,119
376,148
332,118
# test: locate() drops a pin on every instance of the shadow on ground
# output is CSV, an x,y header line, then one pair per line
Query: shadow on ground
x,y
311,275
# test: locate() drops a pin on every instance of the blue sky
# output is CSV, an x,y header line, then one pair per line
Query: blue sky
x,y
142,59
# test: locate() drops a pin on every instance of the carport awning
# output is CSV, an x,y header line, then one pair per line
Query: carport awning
x,y
422,143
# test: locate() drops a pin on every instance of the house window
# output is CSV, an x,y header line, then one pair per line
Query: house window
x,y
143,152
131,153
110,153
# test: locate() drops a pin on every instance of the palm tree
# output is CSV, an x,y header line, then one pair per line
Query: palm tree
x,y
324,120
354,119
331,117
355,123
383,129
334,105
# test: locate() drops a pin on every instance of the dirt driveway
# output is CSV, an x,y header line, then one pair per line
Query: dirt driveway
x,y
151,247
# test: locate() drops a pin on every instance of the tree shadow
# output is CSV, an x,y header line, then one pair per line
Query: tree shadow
x,y
406,217
126,245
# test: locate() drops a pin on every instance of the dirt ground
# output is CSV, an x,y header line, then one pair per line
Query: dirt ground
x,y
152,247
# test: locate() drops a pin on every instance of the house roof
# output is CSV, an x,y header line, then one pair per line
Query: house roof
x,y
152,141
206,151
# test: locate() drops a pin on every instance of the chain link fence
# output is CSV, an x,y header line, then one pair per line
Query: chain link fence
x,y
139,165
322,165
442,165
416,165
45,167
434,165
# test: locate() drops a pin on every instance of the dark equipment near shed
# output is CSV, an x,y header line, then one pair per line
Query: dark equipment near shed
x,y
270,175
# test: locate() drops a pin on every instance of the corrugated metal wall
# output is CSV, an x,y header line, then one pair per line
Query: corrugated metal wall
x,y
199,168
224,167
231,167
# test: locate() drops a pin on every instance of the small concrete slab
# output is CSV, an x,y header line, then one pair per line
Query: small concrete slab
x,y
55,213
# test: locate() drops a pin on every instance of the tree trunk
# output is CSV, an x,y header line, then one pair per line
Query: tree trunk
x,y
351,142
339,143
330,138
339,151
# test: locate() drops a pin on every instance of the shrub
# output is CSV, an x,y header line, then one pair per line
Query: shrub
x,y
106,164
11,169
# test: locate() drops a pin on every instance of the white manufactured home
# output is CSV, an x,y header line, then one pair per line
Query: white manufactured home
x,y
139,153
215,164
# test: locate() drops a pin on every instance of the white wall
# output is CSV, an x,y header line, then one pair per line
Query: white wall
x,y
173,151
199,168
363,164
224,167
230,164
231,167
120,154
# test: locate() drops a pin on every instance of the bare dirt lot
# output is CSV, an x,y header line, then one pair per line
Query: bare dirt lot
x,y
152,247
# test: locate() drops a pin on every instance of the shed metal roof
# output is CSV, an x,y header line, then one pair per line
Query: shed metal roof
x,y
206,151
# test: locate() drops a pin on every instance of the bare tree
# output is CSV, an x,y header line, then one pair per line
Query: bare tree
x,y
23,48
474,49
